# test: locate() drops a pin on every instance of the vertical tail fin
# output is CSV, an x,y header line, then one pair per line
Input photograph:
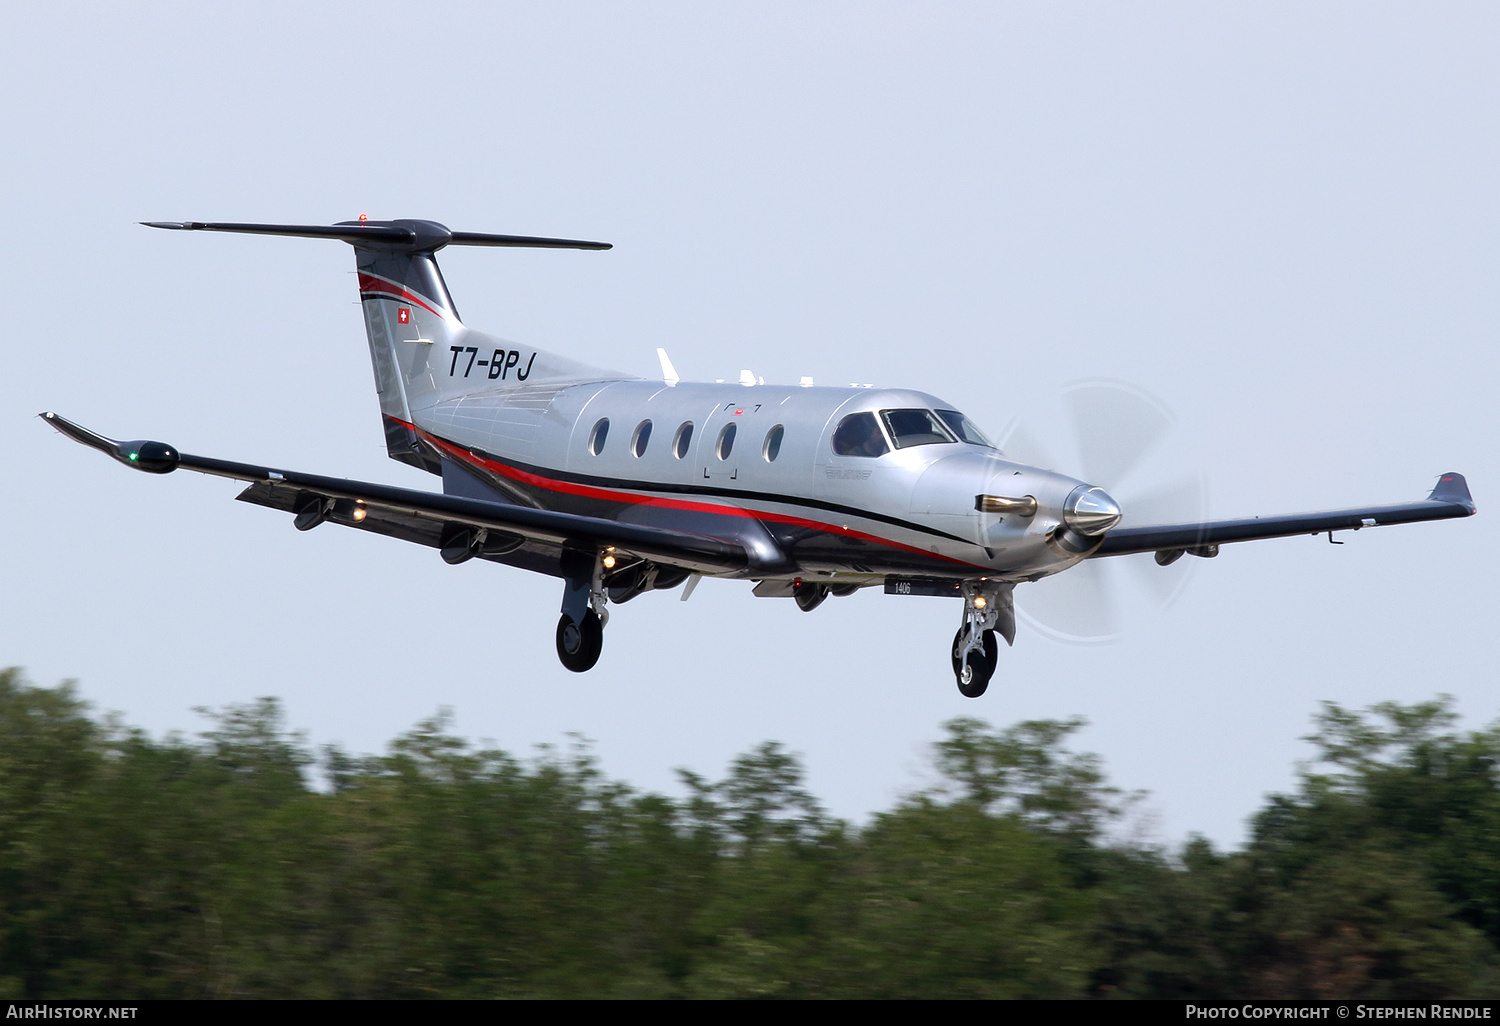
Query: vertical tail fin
x,y
420,350
410,321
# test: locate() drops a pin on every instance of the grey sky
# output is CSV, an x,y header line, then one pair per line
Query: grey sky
x,y
1281,220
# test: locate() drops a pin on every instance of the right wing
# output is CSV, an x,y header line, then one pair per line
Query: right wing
x,y
419,516
1450,498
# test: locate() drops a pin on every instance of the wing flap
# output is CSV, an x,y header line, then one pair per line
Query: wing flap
x,y
537,556
703,554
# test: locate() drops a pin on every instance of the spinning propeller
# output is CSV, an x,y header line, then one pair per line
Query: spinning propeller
x,y
1118,437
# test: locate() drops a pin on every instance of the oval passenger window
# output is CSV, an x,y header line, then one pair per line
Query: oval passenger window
x,y
683,439
772,448
598,435
642,437
726,442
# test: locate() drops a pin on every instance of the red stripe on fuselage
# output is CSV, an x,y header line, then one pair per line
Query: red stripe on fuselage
x,y
374,283
634,499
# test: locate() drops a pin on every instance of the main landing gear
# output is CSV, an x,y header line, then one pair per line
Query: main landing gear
x,y
988,607
579,643
580,630
592,580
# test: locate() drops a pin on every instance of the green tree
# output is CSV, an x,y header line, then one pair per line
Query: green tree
x,y
1378,878
210,866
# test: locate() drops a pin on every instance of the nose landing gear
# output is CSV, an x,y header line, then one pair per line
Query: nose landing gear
x,y
974,667
988,607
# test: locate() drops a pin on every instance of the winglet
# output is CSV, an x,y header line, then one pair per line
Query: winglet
x,y
152,457
79,433
1452,487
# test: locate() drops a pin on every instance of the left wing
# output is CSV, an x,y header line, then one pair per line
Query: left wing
x,y
1449,499
421,516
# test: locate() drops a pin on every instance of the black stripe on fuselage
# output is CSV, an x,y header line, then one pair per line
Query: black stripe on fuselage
x,y
698,490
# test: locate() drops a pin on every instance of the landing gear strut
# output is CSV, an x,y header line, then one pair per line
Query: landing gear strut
x,y
988,607
580,630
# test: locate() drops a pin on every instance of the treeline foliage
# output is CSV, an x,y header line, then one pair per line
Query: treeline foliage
x,y
132,867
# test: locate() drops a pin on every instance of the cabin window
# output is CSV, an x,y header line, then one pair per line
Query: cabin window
x,y
964,428
641,439
598,435
859,435
682,441
772,448
726,442
915,427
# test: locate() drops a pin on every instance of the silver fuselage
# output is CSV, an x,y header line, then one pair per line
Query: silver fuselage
x,y
853,519
523,420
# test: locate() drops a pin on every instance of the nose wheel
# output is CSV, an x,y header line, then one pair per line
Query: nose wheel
x,y
580,642
973,667
989,614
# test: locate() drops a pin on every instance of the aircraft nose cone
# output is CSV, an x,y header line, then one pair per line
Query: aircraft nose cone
x,y
1091,511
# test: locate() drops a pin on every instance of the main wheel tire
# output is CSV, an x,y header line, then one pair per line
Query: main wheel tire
x,y
974,671
579,644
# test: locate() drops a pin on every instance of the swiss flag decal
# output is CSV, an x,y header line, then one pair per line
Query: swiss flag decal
x,y
403,315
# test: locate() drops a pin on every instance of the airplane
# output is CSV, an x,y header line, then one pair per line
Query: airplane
x,y
620,485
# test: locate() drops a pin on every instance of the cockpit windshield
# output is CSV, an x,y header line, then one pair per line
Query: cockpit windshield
x,y
915,427
859,434
964,428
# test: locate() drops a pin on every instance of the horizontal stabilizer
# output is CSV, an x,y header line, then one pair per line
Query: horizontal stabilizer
x,y
403,236
525,241
353,232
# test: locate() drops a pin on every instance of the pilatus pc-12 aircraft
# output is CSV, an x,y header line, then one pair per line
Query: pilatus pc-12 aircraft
x,y
619,485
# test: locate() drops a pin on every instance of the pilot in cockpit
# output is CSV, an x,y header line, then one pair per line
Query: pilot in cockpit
x,y
859,435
